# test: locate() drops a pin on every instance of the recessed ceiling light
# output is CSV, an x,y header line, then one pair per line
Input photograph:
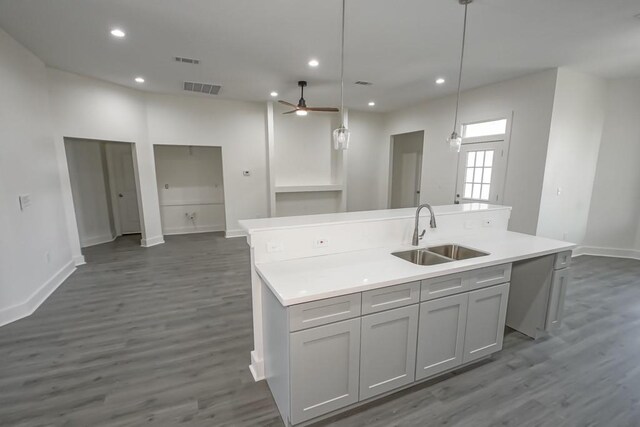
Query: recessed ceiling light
x,y
371,103
117,32
313,63
274,93
440,80
139,80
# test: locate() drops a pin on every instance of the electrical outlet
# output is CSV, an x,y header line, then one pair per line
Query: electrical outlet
x,y
274,246
321,242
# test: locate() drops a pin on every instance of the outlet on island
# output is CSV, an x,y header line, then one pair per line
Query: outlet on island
x,y
321,242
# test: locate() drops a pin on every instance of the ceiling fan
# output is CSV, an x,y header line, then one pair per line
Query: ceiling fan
x,y
301,109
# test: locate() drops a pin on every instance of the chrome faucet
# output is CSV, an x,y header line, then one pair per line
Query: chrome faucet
x,y
432,223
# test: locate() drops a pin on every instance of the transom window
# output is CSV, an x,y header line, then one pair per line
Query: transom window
x,y
477,181
493,127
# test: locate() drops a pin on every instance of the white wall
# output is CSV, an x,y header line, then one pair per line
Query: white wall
x,y
35,255
368,162
89,186
572,155
86,108
614,217
238,127
190,183
530,98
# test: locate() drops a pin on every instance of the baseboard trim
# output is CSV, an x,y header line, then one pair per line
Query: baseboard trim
x,y
229,234
152,241
606,252
192,230
19,311
256,367
79,260
98,240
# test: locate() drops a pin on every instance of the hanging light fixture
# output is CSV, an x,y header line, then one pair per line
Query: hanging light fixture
x,y
455,141
342,135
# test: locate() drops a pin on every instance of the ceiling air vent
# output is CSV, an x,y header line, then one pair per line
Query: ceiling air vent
x,y
363,83
208,88
186,60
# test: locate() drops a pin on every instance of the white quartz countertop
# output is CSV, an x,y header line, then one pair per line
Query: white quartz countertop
x,y
308,279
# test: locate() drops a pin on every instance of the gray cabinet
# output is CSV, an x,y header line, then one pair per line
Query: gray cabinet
x,y
388,350
441,332
485,321
559,281
325,365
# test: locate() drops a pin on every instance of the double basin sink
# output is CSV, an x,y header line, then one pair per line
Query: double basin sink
x,y
439,254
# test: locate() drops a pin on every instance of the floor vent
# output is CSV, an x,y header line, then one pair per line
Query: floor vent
x,y
363,83
208,88
186,60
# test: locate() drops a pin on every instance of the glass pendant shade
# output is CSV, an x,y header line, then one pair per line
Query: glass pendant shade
x,y
455,142
341,138
301,113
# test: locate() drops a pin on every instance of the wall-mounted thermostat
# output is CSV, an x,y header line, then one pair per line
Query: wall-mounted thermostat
x,y
246,173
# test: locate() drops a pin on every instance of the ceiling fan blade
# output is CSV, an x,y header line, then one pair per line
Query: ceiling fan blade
x,y
288,103
324,109
290,112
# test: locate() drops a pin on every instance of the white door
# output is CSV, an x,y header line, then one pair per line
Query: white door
x,y
481,172
125,188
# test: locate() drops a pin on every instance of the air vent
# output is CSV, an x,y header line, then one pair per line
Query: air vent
x,y
363,83
186,60
208,88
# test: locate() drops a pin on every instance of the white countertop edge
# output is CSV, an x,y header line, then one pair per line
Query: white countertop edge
x,y
252,225
456,267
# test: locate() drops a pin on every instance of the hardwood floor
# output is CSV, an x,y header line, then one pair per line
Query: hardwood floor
x,y
162,336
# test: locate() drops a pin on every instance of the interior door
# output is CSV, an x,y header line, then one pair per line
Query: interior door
x,y
125,188
481,172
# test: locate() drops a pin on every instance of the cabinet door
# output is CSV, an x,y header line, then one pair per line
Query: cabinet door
x,y
485,321
388,351
559,282
441,335
325,368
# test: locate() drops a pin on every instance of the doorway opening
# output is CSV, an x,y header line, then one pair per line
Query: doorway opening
x,y
103,188
190,188
406,169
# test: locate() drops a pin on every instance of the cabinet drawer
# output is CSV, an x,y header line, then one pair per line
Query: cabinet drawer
x,y
488,276
443,286
316,313
390,297
563,260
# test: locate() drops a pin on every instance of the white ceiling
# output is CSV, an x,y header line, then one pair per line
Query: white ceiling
x,y
252,47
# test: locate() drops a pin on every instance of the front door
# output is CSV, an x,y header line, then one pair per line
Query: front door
x,y
481,172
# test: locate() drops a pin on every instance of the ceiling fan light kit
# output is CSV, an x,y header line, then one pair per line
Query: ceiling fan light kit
x,y
455,141
301,109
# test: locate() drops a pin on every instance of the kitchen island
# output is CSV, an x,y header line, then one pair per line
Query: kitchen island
x,y
339,320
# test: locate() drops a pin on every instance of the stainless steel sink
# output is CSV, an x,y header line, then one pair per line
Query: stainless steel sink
x,y
456,252
439,254
421,257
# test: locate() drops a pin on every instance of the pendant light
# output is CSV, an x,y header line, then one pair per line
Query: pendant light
x,y
455,141
342,135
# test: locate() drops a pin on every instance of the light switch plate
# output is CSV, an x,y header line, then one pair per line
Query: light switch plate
x,y
25,201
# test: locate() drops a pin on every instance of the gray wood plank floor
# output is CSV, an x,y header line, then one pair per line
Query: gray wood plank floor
x,y
162,336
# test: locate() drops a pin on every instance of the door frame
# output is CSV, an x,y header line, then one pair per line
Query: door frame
x,y
504,138
419,168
